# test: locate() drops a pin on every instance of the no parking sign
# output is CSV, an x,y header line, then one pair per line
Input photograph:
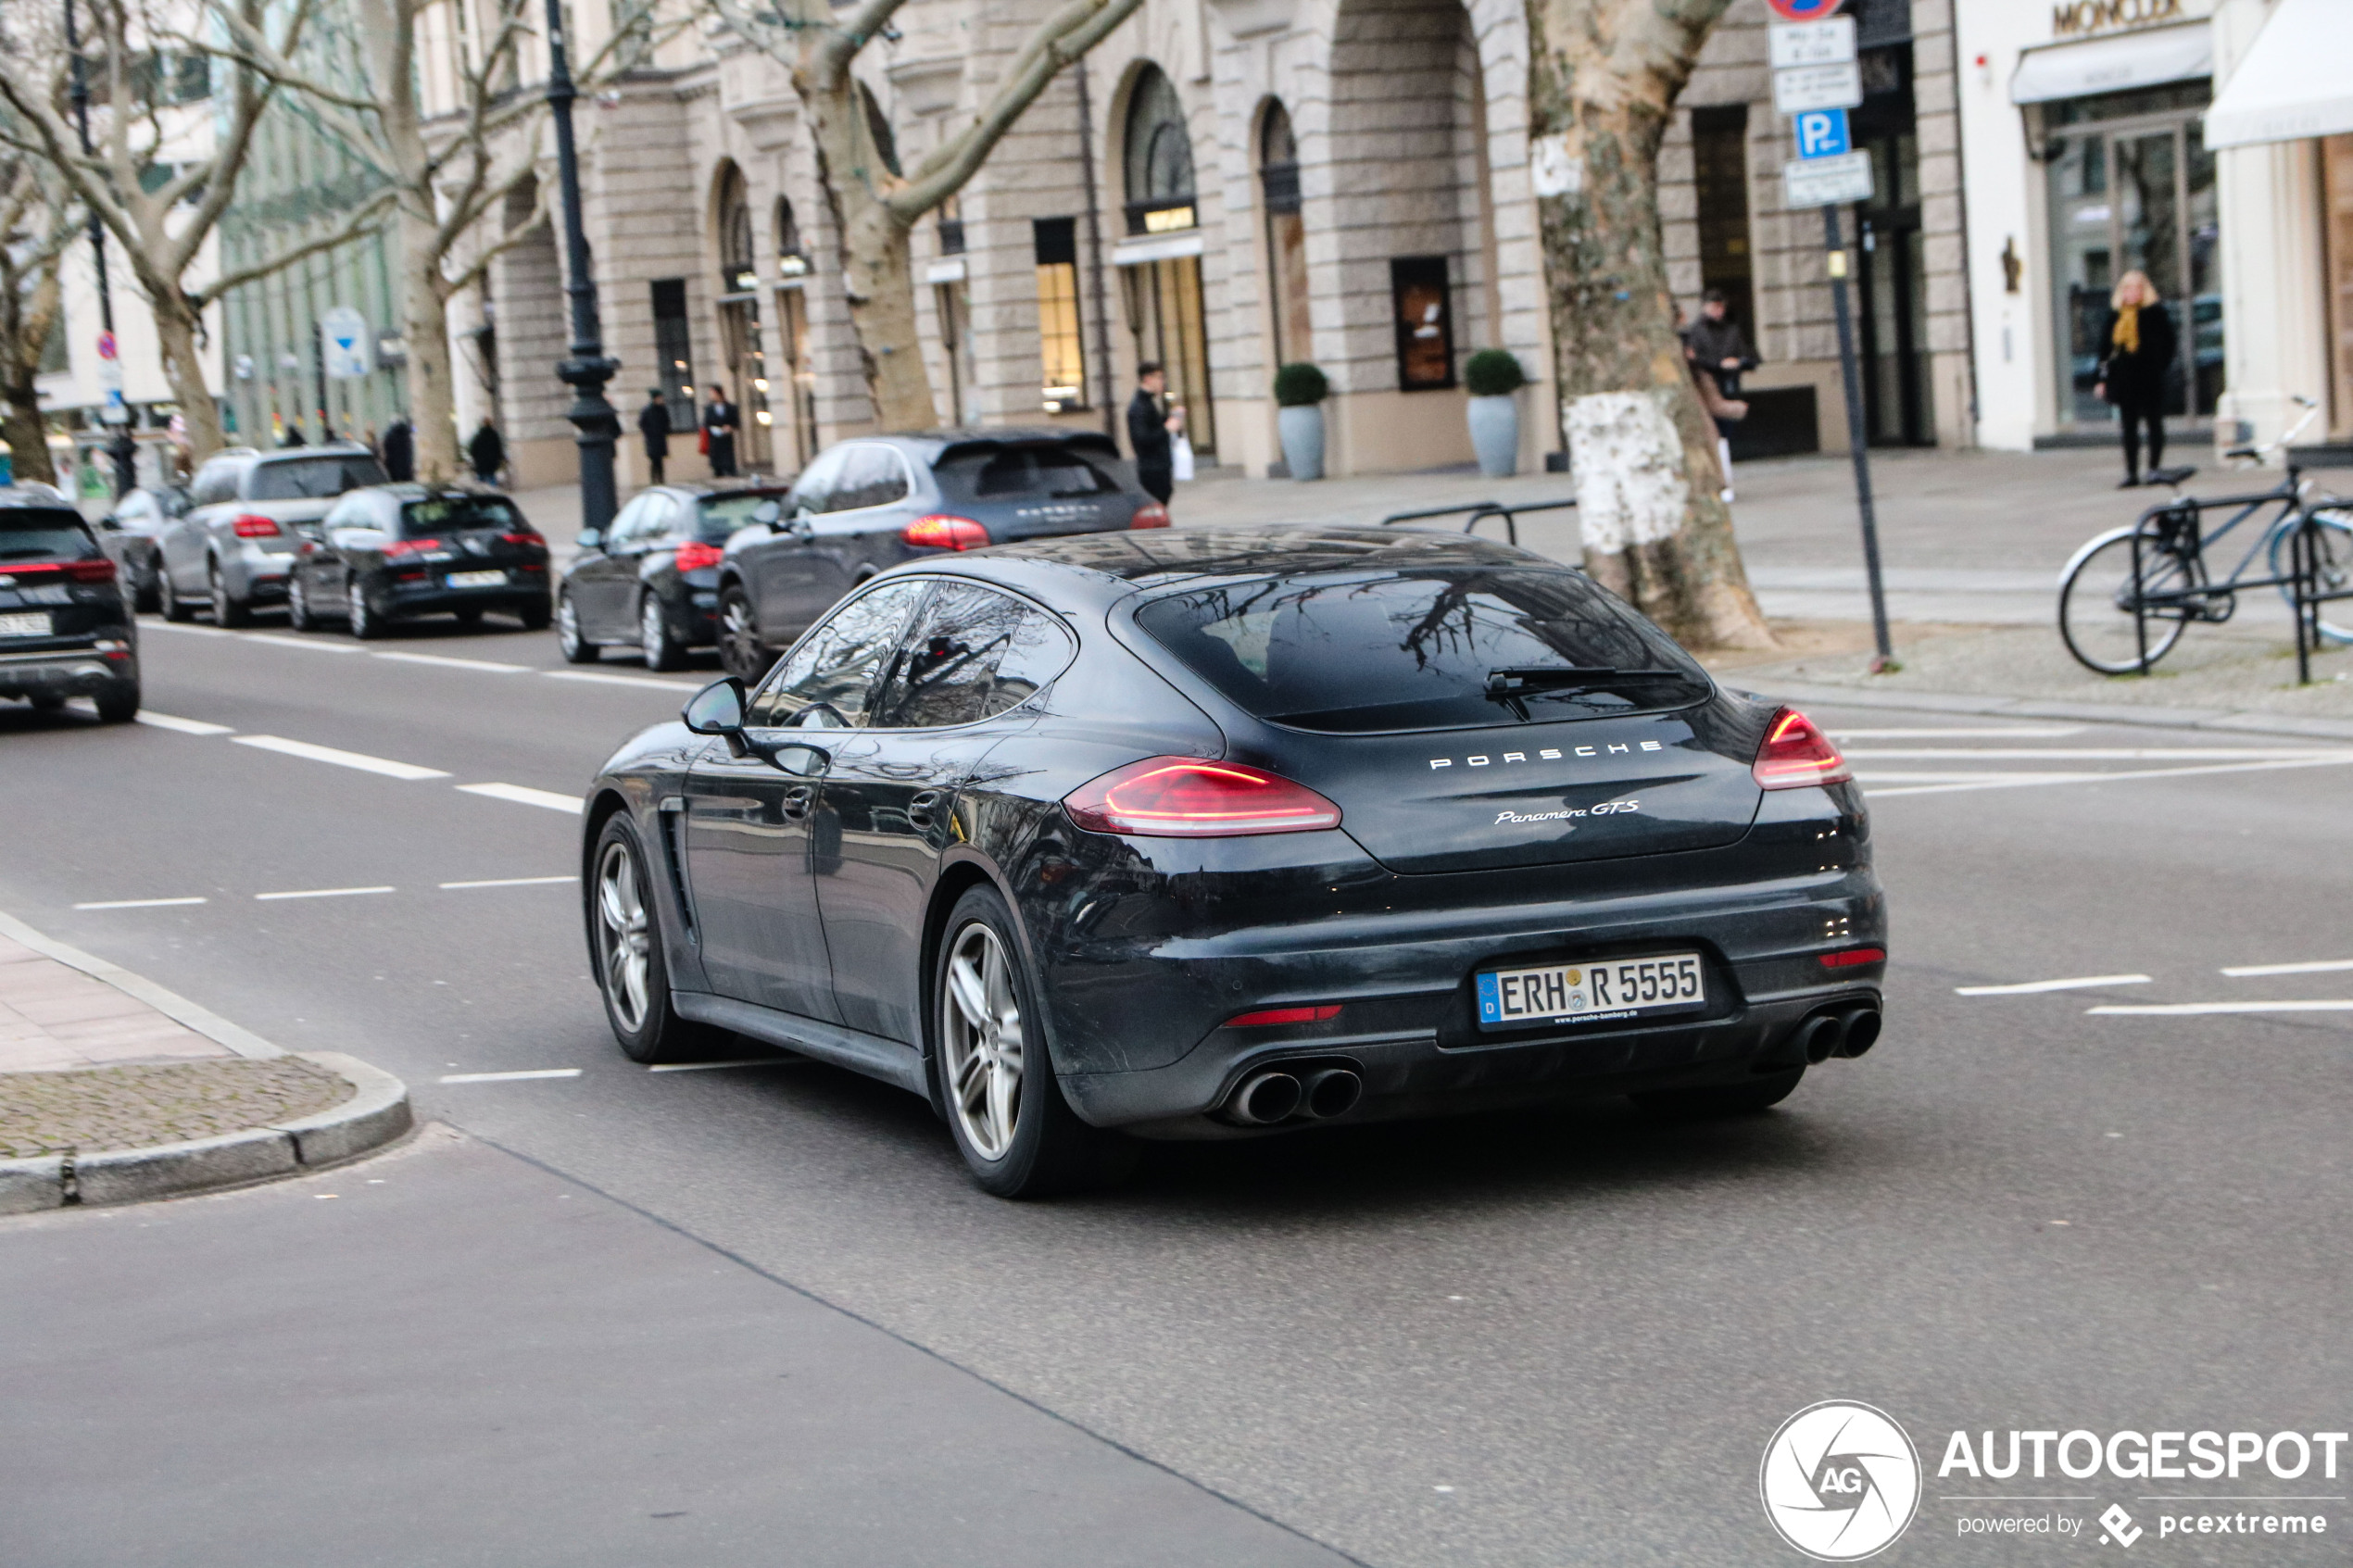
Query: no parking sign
x,y
1801,10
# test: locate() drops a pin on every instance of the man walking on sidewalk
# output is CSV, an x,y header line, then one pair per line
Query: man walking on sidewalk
x,y
653,424
1149,432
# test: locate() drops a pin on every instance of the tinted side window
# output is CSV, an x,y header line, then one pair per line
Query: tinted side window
x,y
838,663
216,483
813,491
872,476
972,654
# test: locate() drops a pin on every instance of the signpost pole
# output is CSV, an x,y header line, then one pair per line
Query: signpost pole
x,y
1858,440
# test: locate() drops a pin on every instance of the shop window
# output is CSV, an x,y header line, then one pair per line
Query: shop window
x,y
673,346
1424,311
1286,237
1159,159
1719,164
1061,342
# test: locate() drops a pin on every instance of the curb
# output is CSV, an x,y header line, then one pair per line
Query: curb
x,y
375,1115
2238,722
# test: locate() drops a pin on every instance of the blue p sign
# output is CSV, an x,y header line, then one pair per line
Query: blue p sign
x,y
1822,133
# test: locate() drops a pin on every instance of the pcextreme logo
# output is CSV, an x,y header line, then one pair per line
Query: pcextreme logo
x,y
1841,1481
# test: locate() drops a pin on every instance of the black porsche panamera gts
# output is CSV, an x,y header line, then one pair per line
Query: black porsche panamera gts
x,y
1210,834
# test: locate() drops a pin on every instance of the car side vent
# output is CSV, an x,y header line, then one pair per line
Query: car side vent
x,y
673,856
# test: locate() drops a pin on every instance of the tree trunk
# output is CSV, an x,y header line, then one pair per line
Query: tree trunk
x,y
179,328
1604,80
425,319
27,432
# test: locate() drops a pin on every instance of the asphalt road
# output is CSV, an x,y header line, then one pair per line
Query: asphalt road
x,y
1531,1339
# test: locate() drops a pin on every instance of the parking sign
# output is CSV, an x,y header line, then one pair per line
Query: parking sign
x,y
1821,133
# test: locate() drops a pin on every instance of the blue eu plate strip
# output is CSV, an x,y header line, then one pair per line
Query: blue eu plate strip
x,y
1491,1000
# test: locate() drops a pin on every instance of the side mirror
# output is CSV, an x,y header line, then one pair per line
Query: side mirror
x,y
717,709
767,512
110,524
591,540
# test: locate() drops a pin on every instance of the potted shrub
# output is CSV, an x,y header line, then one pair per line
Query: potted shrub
x,y
1493,375
1300,391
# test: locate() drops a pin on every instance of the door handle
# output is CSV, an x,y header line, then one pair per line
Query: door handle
x,y
920,808
794,804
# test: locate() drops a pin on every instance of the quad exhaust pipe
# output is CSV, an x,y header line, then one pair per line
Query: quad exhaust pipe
x,y
1275,1096
1847,1033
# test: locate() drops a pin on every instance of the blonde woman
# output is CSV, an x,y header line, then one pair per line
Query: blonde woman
x,y
2136,350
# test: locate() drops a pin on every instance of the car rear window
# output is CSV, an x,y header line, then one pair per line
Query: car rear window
x,y
1356,653
44,533
313,479
455,514
1043,472
718,516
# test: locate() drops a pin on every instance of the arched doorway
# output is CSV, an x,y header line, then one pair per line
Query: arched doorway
x,y
793,268
739,346
1286,237
1162,292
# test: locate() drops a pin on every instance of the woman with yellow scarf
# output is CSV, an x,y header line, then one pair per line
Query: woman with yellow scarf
x,y
2136,351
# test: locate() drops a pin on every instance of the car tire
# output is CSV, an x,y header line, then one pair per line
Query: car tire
x,y
168,600
661,649
118,703
742,652
575,647
994,1072
1721,1100
534,615
227,609
367,621
146,592
298,614
633,971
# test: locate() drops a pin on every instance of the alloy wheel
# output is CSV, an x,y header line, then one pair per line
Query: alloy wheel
x,y
739,647
568,639
621,939
298,606
653,634
981,1037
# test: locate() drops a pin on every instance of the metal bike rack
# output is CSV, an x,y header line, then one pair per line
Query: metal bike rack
x,y
1479,512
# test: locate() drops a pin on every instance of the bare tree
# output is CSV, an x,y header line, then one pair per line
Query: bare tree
x,y
448,173
157,194
1602,84
874,209
38,221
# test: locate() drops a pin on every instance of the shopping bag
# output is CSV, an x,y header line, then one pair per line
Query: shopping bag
x,y
1180,459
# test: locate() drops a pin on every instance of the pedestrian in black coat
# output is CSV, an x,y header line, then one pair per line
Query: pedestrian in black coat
x,y
653,424
400,450
2137,345
1149,429
488,452
720,422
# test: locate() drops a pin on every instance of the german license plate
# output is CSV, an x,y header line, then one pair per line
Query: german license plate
x,y
1577,993
475,580
36,625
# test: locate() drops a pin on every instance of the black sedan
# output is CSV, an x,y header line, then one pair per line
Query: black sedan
x,y
1201,834
651,580
871,503
393,551
129,534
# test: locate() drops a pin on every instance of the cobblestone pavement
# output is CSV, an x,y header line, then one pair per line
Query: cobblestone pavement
x,y
135,1106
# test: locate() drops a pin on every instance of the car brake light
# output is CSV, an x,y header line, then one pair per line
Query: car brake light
x,y
940,531
399,547
1152,515
1795,754
1853,956
694,554
253,525
90,570
521,536
1266,1016
1186,798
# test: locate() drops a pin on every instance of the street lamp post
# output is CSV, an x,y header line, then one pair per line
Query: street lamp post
x,y
587,371
79,92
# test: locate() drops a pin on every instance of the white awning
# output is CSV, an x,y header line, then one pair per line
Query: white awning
x,y
1156,247
2296,82
2114,65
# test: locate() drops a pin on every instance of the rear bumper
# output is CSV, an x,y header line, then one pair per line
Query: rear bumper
x,y
84,672
431,597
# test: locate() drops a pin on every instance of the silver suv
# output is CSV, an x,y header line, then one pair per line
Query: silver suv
x,y
248,513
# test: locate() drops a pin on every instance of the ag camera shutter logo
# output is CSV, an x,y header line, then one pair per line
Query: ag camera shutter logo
x,y
1841,1481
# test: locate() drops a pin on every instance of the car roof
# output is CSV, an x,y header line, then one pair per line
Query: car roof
x,y
32,492
935,444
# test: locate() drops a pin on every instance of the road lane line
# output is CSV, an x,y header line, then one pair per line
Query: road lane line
x,y
2183,1009
2017,732
512,882
181,726
157,623
446,662
510,1077
521,796
2329,966
322,893
360,760
1873,776
620,679
2103,752
715,1066
137,903
2031,986
313,644
2113,778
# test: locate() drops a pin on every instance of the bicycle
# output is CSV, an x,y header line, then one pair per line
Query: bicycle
x,y
2128,594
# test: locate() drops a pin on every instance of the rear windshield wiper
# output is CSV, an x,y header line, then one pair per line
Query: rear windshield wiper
x,y
1511,685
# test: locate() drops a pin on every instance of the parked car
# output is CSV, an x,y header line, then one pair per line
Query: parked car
x,y
1230,833
875,501
66,630
129,534
394,551
236,542
651,580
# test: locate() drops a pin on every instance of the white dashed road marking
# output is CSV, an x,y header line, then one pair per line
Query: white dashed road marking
x,y
2020,783
313,644
183,726
510,881
2189,1009
523,796
322,893
2013,732
621,680
2029,987
510,1077
2102,753
138,903
360,760
446,662
2329,966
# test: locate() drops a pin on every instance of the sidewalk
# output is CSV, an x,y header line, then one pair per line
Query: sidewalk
x,y
106,1097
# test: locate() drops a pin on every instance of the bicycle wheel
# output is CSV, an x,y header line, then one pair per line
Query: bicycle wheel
x,y
2334,540
2097,596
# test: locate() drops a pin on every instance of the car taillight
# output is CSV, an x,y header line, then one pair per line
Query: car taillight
x,y
694,554
90,570
255,526
1795,754
1853,956
1266,1016
1186,798
1152,515
940,531
521,536
399,547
